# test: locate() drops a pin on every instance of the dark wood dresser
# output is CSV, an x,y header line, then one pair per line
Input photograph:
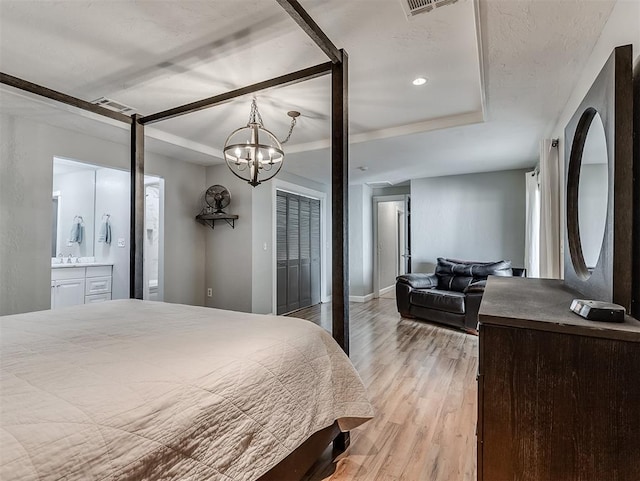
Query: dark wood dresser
x,y
558,396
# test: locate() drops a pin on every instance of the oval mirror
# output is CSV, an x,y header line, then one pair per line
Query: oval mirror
x,y
587,193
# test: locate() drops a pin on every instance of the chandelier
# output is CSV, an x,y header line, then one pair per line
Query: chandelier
x,y
252,152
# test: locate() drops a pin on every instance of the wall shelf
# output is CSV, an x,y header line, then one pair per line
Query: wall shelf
x,y
210,219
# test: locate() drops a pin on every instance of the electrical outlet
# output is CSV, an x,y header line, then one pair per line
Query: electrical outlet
x,y
121,242
209,292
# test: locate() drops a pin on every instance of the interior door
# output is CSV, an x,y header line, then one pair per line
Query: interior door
x,y
293,254
297,251
314,229
305,252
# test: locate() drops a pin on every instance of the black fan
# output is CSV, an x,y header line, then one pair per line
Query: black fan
x,y
218,197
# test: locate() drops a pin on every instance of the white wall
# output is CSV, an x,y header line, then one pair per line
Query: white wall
x,y
113,197
477,217
77,197
622,28
26,175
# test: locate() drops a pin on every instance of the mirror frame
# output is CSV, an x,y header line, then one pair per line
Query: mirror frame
x,y
573,185
611,96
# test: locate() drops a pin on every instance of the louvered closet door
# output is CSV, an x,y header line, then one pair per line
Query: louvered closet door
x,y
293,253
298,252
281,252
305,252
314,230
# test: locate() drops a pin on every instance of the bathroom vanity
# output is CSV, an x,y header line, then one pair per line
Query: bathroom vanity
x,y
85,283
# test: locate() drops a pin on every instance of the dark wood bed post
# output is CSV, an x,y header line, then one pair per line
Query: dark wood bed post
x,y
339,179
340,212
340,202
136,242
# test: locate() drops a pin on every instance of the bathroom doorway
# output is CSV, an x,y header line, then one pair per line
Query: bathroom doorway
x,y
91,231
153,274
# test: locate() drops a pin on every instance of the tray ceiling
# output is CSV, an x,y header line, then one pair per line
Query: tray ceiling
x,y
154,55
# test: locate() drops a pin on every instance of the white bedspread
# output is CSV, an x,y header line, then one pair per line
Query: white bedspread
x,y
134,390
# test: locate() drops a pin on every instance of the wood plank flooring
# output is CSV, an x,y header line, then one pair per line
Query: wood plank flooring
x,y
421,379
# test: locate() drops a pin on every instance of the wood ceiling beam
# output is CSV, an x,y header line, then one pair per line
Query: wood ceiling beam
x,y
36,89
288,79
311,28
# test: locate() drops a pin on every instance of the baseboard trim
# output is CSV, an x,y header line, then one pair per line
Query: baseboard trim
x,y
387,289
366,298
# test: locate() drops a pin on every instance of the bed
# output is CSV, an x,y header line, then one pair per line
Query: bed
x,y
138,390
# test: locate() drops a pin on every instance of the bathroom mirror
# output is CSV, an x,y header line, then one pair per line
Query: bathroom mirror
x,y
73,198
588,181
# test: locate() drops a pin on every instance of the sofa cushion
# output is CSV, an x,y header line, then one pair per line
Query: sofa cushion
x,y
449,301
457,275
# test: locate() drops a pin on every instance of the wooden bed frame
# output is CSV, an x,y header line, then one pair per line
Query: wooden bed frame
x,y
296,464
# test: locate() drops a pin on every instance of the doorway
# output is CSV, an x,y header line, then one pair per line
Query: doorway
x,y
97,198
153,251
298,252
392,245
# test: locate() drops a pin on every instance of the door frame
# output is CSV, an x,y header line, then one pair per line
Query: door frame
x,y
291,188
377,199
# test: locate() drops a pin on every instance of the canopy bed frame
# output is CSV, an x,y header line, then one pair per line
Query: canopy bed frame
x,y
337,67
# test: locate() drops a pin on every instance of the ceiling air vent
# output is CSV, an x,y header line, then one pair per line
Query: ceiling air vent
x,y
414,7
113,105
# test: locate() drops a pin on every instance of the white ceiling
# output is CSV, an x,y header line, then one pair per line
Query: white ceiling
x,y
154,55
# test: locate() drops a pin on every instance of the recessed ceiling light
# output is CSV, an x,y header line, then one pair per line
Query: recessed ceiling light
x,y
420,81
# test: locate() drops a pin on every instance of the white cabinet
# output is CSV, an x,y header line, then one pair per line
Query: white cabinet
x,y
71,286
69,292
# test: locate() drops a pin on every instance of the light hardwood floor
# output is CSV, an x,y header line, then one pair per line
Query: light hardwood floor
x,y
421,379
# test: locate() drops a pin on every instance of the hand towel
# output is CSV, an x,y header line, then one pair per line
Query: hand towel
x,y
77,232
105,232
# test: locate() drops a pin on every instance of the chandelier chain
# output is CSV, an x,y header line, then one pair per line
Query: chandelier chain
x,y
256,118
293,124
255,114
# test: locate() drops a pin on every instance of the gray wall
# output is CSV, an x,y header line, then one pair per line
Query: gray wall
x,y
472,217
229,251
360,240
26,175
239,267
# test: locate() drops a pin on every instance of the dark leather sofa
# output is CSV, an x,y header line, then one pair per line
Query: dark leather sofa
x,y
452,294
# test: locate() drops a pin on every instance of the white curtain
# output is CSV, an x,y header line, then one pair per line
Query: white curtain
x,y
532,234
550,218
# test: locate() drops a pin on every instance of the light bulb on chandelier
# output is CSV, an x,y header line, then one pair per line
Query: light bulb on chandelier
x,y
252,152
